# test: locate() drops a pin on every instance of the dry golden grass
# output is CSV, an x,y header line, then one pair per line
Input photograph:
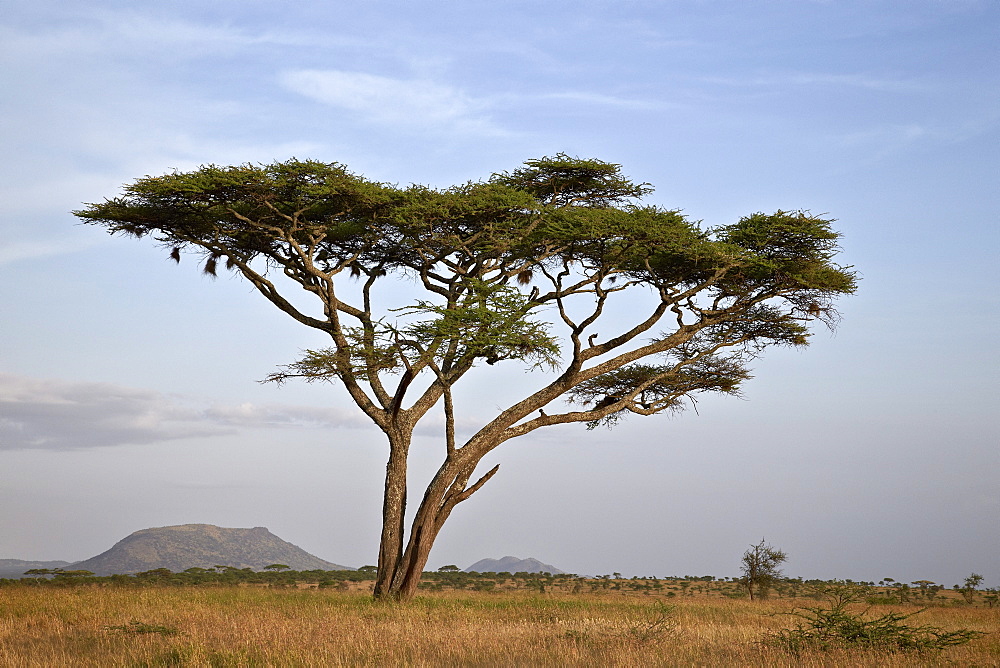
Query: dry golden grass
x,y
243,626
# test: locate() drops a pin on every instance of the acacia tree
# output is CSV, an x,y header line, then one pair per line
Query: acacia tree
x,y
559,234
760,569
970,585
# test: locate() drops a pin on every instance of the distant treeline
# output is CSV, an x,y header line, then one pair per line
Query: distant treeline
x,y
277,574
887,591
280,575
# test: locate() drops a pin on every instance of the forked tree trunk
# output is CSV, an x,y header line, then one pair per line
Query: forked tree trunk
x,y
412,565
403,582
404,568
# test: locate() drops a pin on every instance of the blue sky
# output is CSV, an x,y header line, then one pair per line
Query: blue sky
x,y
128,393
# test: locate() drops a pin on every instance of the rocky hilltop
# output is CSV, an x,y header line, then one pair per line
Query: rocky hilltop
x,y
512,565
203,545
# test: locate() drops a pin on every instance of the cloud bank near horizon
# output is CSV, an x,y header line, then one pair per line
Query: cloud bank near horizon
x,y
48,414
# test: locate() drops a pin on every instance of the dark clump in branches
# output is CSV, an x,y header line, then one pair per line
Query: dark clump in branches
x,y
521,267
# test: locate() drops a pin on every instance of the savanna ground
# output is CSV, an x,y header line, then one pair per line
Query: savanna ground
x,y
701,624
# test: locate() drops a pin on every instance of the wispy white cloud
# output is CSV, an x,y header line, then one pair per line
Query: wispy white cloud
x,y
816,79
884,139
888,135
425,104
248,415
98,31
38,414
401,102
602,99
90,101
56,415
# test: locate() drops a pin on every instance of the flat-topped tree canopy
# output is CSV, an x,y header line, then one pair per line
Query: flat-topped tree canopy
x,y
559,233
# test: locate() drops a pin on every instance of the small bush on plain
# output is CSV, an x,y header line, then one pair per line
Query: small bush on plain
x,y
830,628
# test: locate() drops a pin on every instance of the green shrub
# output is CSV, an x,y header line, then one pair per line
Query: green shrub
x,y
835,627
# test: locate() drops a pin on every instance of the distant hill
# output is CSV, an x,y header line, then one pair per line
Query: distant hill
x,y
15,568
204,545
512,565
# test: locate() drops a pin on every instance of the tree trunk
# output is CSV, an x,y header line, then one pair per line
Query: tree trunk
x,y
445,491
393,517
412,566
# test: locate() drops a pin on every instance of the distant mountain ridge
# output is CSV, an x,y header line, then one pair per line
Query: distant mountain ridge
x,y
15,568
202,545
512,565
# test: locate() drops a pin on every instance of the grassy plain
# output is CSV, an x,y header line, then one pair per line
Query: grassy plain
x,y
262,626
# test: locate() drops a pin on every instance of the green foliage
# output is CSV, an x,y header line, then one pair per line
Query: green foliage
x,y
829,628
840,592
220,202
564,180
311,219
488,321
156,573
655,388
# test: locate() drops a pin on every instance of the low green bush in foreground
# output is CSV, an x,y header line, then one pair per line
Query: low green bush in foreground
x,y
835,627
